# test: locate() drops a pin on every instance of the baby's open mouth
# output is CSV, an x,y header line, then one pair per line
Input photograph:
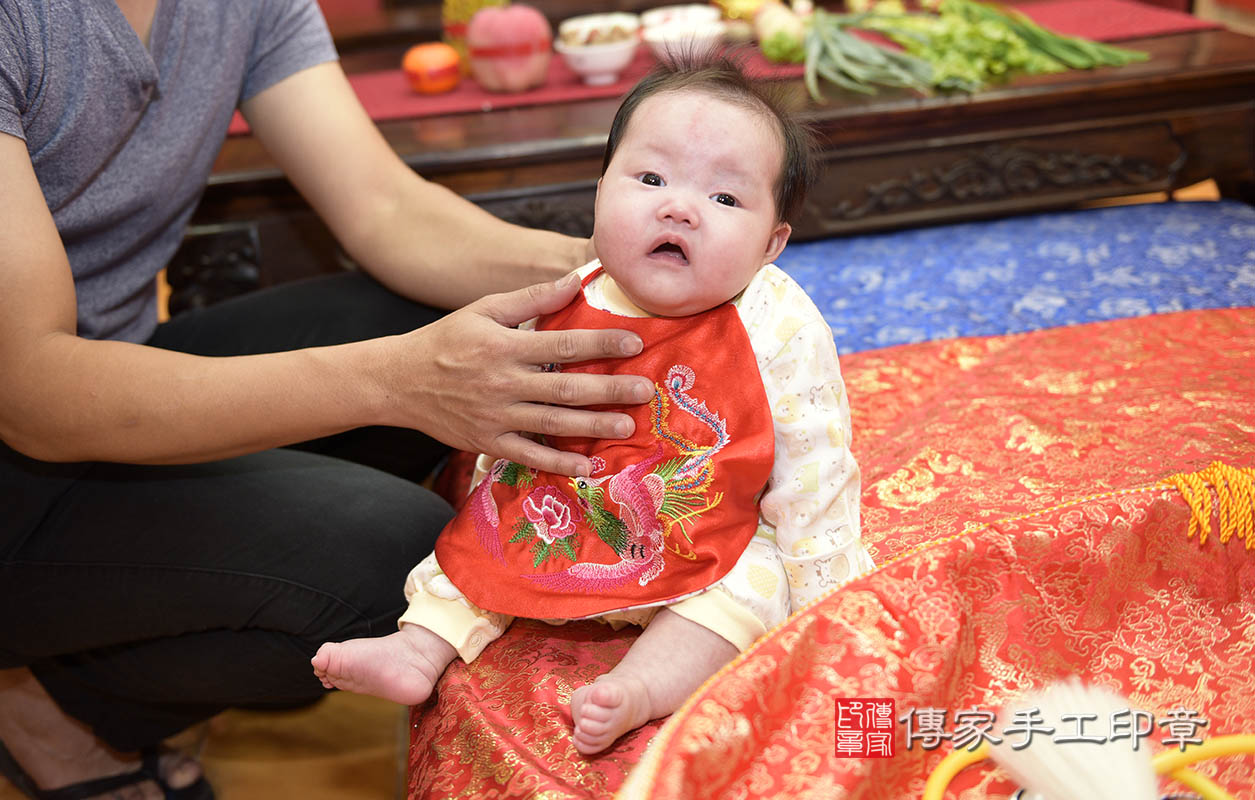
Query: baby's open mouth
x,y
671,250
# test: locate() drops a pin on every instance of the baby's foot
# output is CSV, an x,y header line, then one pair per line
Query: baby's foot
x,y
608,708
402,667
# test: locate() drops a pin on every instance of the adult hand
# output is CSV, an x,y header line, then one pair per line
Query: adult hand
x,y
485,384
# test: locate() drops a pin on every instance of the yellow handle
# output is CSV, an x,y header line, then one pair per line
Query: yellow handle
x,y
1173,763
1205,787
950,766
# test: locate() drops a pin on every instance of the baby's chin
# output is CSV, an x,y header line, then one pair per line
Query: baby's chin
x,y
656,297
663,307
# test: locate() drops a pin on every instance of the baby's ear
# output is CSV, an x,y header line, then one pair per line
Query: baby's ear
x,y
775,245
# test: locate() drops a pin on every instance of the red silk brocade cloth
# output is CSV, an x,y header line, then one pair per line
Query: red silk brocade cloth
x,y
1013,499
666,512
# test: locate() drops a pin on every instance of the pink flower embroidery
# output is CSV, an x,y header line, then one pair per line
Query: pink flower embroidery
x,y
546,509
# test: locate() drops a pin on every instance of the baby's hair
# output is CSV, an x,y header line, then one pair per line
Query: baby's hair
x,y
723,78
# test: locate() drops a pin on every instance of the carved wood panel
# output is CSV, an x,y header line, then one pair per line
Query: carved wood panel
x,y
566,209
869,190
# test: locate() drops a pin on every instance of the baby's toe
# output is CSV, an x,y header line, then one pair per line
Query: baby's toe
x,y
607,694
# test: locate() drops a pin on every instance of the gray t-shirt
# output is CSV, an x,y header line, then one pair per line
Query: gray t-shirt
x,y
123,137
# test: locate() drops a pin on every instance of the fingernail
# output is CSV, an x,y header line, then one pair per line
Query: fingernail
x,y
582,471
643,392
623,429
566,280
630,345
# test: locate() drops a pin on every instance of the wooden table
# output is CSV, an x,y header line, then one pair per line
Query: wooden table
x,y
891,160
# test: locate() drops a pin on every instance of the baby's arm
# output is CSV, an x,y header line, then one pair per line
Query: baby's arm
x,y
812,499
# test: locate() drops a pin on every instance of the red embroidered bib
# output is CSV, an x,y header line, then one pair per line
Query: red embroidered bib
x,y
665,513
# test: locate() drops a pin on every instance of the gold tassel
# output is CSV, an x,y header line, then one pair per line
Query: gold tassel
x,y
1234,488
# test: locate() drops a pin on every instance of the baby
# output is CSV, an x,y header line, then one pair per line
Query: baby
x,y
736,500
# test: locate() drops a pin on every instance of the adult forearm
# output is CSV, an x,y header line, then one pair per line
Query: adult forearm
x,y
417,237
434,246
471,379
113,401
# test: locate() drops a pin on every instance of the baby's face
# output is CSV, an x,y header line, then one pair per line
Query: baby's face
x,y
685,212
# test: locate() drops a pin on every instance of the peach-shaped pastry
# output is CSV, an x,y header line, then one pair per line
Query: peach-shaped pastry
x,y
509,47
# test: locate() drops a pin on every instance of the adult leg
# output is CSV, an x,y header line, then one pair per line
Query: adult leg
x,y
55,750
148,598
151,598
326,310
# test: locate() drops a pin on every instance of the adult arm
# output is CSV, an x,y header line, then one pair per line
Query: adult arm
x,y
417,237
65,398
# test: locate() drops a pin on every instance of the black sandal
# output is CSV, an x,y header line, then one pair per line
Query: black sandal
x,y
197,790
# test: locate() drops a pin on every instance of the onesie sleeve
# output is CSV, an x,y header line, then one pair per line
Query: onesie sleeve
x,y
812,499
291,35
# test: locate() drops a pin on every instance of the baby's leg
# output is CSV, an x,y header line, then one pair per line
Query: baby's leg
x,y
402,666
672,657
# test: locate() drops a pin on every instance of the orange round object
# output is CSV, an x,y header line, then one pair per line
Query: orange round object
x,y
432,67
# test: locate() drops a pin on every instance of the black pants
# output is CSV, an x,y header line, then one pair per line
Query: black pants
x,y
146,599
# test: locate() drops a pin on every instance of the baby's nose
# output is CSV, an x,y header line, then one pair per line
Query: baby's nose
x,y
680,210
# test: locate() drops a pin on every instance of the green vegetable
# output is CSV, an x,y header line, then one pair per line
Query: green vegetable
x,y
971,43
963,46
781,33
848,60
1075,52
783,48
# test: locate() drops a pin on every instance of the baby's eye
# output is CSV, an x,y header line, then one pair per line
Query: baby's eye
x,y
651,179
725,199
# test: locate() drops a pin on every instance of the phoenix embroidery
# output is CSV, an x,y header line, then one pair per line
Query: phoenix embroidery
x,y
650,498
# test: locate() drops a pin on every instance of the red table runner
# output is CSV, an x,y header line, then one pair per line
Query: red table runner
x,y
386,94
1111,20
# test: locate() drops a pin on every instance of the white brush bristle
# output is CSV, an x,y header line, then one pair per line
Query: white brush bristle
x,y
1077,770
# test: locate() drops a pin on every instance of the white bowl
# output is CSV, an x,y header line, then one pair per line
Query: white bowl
x,y
590,29
679,38
602,61
690,12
